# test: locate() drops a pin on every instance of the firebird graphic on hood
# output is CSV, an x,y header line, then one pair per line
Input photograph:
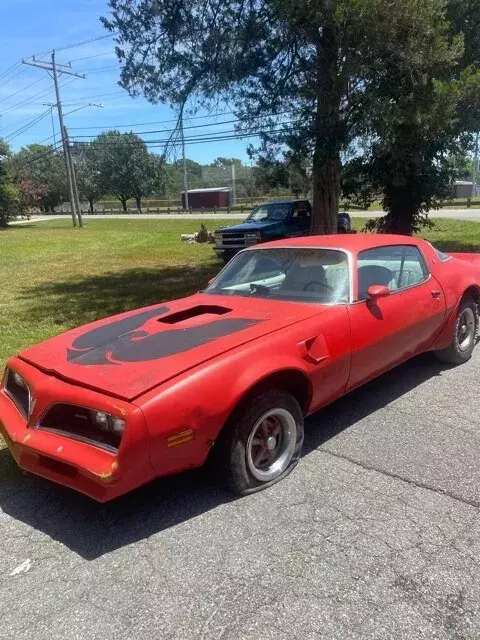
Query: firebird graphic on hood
x,y
128,354
119,341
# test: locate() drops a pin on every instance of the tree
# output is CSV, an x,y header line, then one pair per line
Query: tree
x,y
462,165
87,172
312,61
43,170
427,105
125,168
8,190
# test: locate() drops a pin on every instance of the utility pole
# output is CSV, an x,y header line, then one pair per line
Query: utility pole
x,y
475,169
74,178
185,179
53,71
234,186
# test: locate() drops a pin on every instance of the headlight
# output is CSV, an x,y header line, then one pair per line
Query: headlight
x,y
17,389
19,381
252,237
81,423
107,422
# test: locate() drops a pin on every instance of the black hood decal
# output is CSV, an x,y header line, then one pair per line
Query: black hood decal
x,y
121,341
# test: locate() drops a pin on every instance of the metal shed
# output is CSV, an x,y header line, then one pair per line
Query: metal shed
x,y
208,198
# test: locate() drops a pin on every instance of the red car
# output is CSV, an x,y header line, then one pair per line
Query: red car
x,y
229,373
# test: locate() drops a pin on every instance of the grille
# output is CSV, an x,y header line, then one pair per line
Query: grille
x,y
231,239
18,394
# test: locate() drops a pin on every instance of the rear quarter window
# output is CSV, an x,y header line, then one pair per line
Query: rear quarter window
x,y
441,256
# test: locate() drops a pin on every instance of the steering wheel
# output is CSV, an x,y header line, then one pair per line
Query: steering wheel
x,y
315,283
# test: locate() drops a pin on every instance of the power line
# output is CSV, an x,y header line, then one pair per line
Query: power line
x,y
9,70
12,126
75,44
13,77
25,128
96,55
72,103
82,42
145,124
29,100
197,126
23,89
99,69
210,115
223,136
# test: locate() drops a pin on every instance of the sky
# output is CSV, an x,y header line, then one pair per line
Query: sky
x,y
29,27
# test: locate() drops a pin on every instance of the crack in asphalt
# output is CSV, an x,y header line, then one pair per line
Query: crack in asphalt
x,y
397,476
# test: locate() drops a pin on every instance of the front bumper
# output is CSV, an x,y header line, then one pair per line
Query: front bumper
x,y
95,472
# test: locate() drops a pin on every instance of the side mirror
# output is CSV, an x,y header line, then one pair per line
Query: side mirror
x,y
375,292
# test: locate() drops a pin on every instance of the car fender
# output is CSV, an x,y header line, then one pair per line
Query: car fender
x,y
185,418
446,335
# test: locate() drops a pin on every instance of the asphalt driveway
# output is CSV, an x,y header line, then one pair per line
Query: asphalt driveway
x,y
375,535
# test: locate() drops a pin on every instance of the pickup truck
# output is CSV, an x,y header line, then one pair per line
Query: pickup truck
x,y
270,221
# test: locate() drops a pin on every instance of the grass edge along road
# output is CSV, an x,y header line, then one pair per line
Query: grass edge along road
x,y
54,277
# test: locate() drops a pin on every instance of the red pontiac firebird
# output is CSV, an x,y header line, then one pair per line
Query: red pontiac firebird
x,y
229,374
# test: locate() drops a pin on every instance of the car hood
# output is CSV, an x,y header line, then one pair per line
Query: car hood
x,y
129,354
253,226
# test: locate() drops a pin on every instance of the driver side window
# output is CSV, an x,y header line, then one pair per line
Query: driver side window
x,y
395,266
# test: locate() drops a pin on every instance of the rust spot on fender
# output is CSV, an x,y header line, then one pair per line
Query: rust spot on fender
x,y
105,476
121,410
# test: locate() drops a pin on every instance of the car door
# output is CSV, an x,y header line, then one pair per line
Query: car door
x,y
399,325
298,222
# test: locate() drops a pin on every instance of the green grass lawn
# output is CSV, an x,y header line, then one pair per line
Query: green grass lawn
x,y
53,277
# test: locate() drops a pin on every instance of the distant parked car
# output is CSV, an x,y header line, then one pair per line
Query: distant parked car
x,y
270,221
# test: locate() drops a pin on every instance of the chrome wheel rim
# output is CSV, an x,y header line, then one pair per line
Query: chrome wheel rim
x,y
271,444
466,329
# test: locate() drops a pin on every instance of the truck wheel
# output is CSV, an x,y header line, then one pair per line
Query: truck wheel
x,y
465,334
262,445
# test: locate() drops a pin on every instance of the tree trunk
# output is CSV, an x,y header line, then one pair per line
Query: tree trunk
x,y
138,200
124,203
328,136
402,211
403,198
90,202
326,194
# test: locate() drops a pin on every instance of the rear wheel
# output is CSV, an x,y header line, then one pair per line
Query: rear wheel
x,y
262,444
465,334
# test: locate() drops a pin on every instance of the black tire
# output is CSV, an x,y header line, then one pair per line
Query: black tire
x,y
465,334
232,454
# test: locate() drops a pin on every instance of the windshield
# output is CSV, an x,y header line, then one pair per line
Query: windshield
x,y
302,275
272,211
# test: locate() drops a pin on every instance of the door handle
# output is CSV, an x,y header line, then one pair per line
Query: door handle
x,y
436,293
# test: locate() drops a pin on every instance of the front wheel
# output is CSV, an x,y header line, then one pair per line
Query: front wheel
x,y
465,334
262,445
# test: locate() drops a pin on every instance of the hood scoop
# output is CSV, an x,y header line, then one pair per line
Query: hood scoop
x,y
194,312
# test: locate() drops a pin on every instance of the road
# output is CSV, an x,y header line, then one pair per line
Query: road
x,y
376,534
459,214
